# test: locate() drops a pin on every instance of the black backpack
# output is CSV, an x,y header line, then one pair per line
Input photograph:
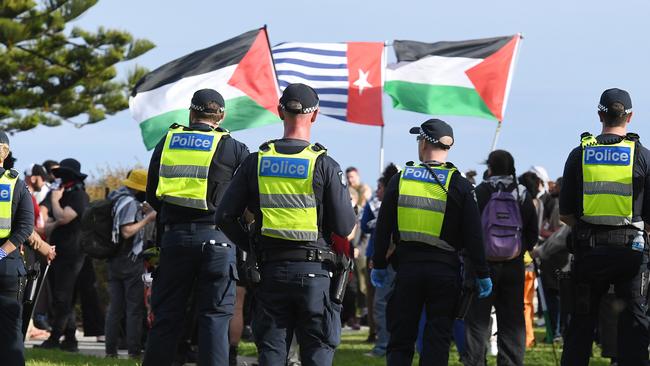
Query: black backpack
x,y
97,230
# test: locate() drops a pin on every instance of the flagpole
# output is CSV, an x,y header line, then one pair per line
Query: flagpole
x,y
496,137
381,133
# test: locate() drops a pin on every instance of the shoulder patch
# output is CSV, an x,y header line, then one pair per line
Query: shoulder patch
x,y
342,178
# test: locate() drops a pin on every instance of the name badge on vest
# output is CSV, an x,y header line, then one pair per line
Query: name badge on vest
x,y
273,166
5,192
191,141
607,155
423,174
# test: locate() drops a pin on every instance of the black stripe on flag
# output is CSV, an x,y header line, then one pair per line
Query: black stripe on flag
x,y
475,48
224,54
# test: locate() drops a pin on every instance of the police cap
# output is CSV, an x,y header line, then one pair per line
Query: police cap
x,y
299,99
612,96
202,98
4,139
435,131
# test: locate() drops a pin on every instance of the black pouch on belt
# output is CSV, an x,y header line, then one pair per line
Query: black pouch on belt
x,y
583,238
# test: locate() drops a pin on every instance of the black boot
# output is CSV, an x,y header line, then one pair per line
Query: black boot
x,y
232,356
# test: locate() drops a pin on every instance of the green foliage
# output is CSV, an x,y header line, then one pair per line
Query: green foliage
x,y
50,72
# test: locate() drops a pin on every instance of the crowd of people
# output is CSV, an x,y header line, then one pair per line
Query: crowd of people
x,y
170,301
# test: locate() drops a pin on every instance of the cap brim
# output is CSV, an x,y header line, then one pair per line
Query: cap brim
x,y
56,172
415,130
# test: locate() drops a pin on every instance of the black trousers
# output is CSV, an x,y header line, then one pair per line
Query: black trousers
x,y
63,277
508,299
431,286
188,258
11,335
593,272
92,311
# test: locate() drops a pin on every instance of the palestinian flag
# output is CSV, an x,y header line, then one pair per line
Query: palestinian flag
x,y
241,69
468,78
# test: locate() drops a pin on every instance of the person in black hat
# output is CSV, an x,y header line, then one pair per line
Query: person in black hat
x,y
605,197
299,198
68,203
430,212
189,172
17,212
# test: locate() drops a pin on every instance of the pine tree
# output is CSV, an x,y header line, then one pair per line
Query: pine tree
x,y
51,72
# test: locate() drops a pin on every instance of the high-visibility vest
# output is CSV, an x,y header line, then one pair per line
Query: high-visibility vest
x,y
422,203
607,172
184,166
286,189
7,185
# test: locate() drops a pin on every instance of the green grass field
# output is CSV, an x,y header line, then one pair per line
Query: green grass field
x,y
350,353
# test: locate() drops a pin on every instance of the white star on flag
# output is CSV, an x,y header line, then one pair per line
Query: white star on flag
x,y
362,81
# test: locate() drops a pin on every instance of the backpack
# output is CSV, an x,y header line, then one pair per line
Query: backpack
x,y
96,230
502,227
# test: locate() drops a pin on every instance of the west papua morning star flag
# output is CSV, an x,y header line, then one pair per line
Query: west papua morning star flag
x,y
241,69
348,77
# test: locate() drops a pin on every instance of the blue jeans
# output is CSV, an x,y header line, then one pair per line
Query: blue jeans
x,y
188,258
381,300
295,296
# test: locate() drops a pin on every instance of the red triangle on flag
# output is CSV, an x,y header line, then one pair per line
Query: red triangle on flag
x,y
490,77
255,75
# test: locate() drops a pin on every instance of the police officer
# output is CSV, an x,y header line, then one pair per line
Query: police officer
x,y
189,172
16,225
605,197
299,197
430,211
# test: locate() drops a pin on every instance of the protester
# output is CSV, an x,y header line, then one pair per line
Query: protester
x,y
68,205
130,217
506,266
379,296
534,186
36,176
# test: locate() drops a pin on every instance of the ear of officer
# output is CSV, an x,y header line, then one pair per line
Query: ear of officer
x,y
298,108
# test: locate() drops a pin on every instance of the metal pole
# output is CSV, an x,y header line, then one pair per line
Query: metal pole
x,y
496,137
381,151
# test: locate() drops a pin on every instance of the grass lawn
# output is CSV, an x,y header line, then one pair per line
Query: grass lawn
x,y
350,353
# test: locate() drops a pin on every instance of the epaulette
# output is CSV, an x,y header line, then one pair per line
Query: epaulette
x,y
450,165
175,126
585,135
318,147
265,146
587,139
410,163
631,136
13,173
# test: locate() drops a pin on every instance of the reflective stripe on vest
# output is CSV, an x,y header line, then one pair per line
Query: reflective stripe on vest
x,y
286,189
184,166
7,185
607,172
422,203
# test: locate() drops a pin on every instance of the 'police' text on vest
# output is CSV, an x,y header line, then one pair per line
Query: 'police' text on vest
x,y
5,192
423,174
271,166
191,141
606,155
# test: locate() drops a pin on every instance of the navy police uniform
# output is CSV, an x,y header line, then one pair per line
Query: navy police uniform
x,y
11,269
428,276
294,291
194,253
608,253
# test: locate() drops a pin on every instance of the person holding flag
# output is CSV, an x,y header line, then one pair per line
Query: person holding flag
x,y
431,212
299,197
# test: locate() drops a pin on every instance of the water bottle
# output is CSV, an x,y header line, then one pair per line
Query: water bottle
x,y
638,243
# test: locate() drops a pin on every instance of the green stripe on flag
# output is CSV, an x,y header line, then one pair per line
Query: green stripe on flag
x,y
437,99
241,113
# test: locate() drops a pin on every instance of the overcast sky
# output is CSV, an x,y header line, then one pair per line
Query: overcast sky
x,y
571,52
